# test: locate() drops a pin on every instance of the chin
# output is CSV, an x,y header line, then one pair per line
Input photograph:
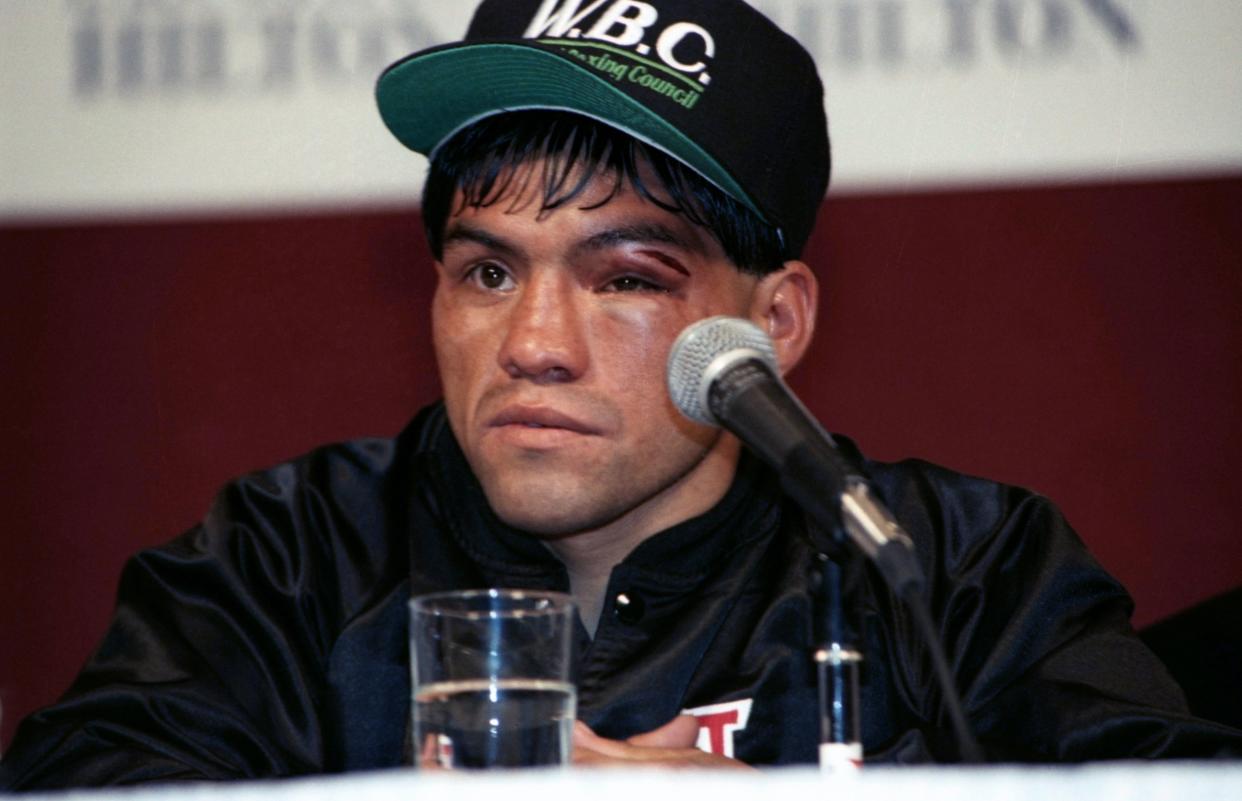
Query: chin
x,y
541,523
546,515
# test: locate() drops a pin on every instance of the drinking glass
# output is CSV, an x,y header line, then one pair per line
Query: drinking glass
x,y
491,678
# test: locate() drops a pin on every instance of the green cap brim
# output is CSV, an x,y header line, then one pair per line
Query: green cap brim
x,y
428,97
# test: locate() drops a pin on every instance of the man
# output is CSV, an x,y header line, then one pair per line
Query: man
x,y
603,175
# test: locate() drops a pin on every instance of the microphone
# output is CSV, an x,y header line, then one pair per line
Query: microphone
x,y
722,371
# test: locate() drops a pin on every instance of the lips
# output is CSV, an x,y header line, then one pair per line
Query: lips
x,y
540,417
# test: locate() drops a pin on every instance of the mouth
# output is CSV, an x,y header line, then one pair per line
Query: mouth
x,y
540,418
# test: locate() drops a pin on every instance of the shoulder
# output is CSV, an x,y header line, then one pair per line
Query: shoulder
x,y
353,469
358,478
968,506
924,489
981,532
335,515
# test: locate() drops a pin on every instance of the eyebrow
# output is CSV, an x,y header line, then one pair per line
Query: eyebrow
x,y
637,233
460,232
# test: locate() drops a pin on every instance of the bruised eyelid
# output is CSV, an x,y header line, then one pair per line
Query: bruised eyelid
x,y
667,260
644,238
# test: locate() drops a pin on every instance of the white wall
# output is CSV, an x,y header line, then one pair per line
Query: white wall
x,y
141,106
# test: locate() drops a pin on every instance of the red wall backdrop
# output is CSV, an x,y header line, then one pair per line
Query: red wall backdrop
x,y
1083,340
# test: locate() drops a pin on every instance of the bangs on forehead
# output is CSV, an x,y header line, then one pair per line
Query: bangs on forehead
x,y
554,165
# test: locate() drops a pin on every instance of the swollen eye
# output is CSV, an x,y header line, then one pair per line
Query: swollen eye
x,y
630,283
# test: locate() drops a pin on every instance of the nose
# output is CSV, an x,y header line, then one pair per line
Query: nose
x,y
545,340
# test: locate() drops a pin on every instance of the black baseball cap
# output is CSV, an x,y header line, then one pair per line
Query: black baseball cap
x,y
713,83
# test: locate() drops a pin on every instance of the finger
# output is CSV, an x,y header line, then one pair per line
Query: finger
x,y
429,758
586,758
657,747
588,742
680,732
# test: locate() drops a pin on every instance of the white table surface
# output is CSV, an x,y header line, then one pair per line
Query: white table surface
x,y
1119,781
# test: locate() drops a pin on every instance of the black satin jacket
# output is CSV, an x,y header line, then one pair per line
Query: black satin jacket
x,y
270,640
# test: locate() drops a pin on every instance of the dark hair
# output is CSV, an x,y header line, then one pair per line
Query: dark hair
x,y
479,160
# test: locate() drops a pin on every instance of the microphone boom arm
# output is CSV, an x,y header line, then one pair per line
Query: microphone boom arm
x,y
751,401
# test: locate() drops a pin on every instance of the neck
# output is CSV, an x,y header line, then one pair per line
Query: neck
x,y
590,556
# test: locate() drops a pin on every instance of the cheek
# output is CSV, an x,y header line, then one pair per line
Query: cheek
x,y
637,352
459,347
442,326
640,336
633,343
631,357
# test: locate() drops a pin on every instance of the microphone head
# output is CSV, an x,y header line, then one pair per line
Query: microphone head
x,y
703,351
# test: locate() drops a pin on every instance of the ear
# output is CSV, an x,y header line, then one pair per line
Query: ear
x,y
785,304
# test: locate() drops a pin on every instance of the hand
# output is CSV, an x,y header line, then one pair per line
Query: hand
x,y
429,756
671,745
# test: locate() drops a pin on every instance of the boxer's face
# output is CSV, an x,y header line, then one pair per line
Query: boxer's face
x,y
552,330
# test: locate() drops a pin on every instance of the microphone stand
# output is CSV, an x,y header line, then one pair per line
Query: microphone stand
x,y
837,667
850,509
